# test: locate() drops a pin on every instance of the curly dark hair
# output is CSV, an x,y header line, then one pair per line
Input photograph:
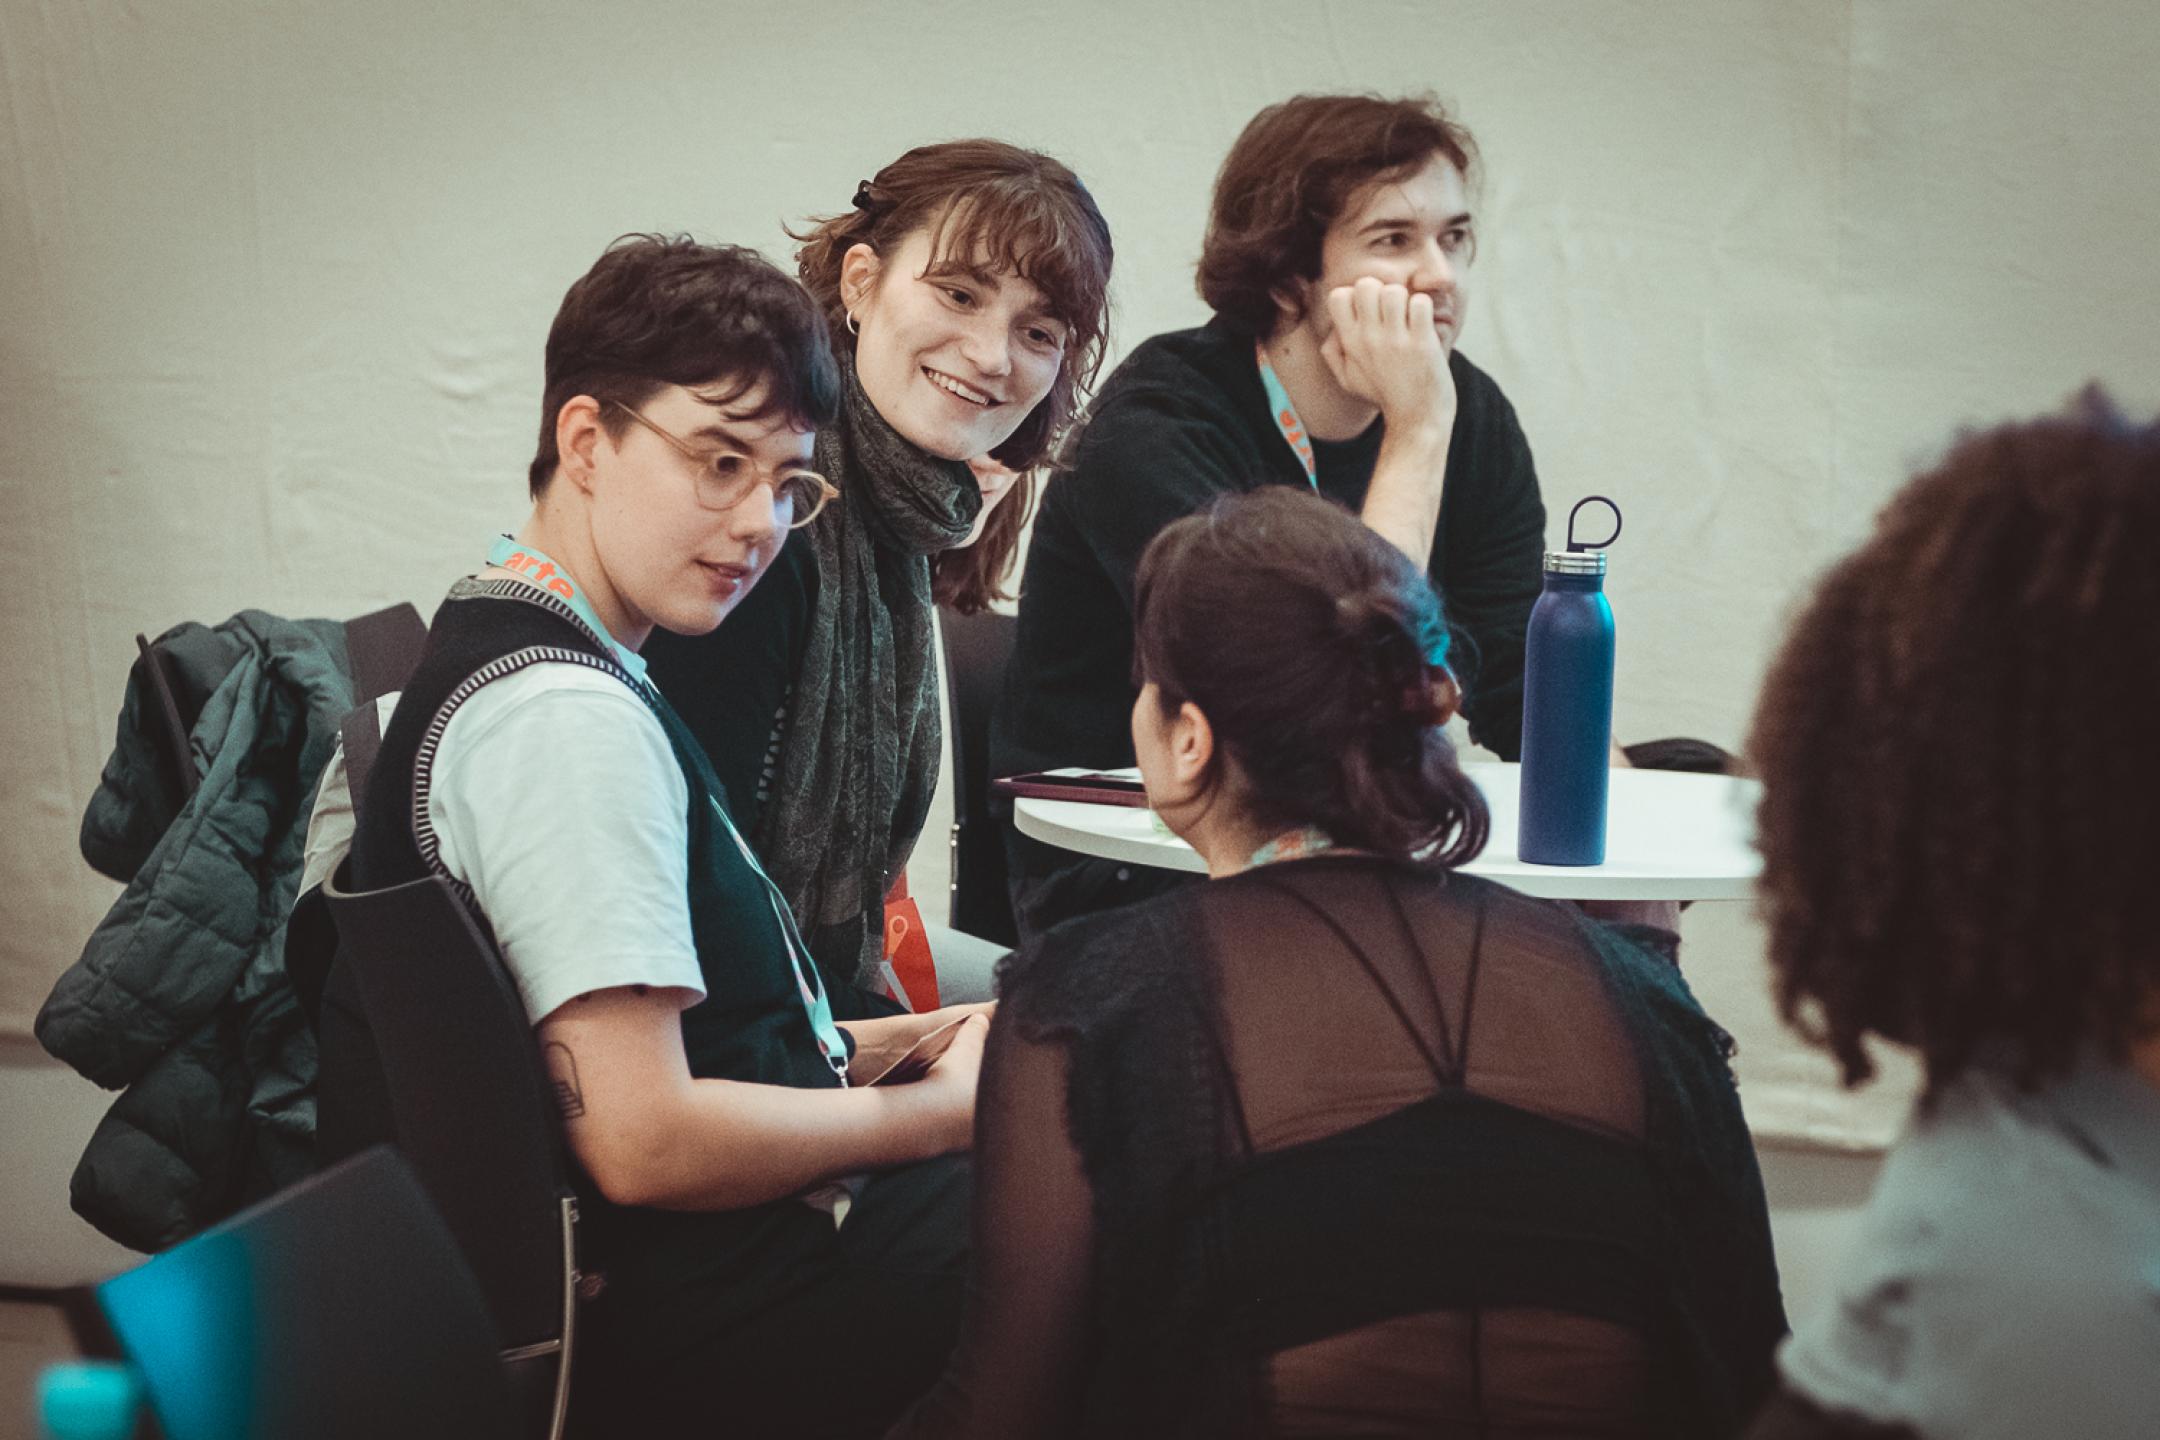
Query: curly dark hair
x,y
660,310
1961,782
1318,653
1289,176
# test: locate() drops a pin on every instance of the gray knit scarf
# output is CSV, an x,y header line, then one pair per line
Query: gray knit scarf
x,y
859,755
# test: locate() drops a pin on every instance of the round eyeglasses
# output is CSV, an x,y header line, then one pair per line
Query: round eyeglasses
x,y
724,477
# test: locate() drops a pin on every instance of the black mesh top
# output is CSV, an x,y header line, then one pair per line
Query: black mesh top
x,y
1338,1147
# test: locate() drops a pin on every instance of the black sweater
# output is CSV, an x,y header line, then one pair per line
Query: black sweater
x,y
1184,420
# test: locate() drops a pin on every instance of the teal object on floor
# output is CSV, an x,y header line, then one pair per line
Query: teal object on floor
x,y
89,1400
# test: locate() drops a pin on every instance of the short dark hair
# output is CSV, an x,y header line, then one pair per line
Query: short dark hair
x,y
1959,821
1317,651
1289,177
1010,209
659,310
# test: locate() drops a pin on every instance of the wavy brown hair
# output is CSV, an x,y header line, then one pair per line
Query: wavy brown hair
x,y
1318,653
1961,780
1006,209
1289,176
972,579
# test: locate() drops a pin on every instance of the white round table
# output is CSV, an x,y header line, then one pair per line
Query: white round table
x,y
1668,836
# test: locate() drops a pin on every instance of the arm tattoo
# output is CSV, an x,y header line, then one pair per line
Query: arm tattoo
x,y
562,1069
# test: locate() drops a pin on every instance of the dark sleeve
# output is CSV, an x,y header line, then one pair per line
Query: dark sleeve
x,y
1148,457
1651,939
1492,562
729,686
1152,457
1017,1367
1789,1416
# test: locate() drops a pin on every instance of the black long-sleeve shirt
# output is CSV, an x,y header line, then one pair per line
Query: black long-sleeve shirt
x,y
1183,421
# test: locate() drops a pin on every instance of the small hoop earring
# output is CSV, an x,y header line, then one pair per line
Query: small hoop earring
x,y
852,327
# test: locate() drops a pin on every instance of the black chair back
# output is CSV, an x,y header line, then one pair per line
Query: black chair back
x,y
474,1113
383,648
338,1309
977,650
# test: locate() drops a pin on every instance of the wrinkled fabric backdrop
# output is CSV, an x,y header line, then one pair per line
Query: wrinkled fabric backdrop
x,y
277,279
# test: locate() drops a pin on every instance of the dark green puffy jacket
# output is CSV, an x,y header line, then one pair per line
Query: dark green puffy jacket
x,y
180,997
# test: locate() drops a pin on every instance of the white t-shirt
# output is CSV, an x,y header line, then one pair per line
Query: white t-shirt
x,y
557,798
2006,1283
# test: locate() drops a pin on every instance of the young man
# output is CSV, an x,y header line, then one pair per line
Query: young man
x,y
1336,260
704,1083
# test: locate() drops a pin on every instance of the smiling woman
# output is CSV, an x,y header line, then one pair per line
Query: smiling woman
x,y
966,291
984,224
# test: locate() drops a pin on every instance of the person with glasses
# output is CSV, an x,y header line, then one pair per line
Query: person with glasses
x,y
776,1248
966,290
724,475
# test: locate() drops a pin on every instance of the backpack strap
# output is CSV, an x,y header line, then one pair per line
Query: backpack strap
x,y
431,740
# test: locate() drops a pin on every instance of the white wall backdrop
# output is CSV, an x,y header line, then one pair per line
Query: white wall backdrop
x,y
276,279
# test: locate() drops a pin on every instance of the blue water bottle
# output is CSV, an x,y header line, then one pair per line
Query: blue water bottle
x,y
1567,706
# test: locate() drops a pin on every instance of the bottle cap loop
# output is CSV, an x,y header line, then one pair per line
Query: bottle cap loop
x,y
1575,545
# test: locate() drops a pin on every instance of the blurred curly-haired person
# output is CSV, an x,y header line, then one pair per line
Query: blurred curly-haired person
x,y
1960,754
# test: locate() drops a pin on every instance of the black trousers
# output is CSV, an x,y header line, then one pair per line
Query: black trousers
x,y
838,1359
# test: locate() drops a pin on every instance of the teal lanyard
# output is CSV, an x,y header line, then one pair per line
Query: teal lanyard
x,y
1286,417
1292,845
809,984
528,562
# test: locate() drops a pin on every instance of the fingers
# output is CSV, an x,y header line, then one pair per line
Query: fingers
x,y
973,1031
1420,312
1342,302
1391,305
1370,307
1365,301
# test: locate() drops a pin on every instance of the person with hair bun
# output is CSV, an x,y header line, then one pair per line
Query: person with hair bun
x,y
1960,820
967,293
1345,1141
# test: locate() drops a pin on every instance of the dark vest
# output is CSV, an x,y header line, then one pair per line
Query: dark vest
x,y
751,1026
